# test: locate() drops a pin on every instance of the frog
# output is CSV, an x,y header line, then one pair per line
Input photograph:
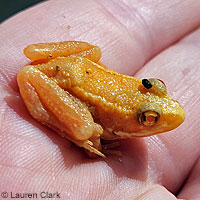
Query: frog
x,y
67,88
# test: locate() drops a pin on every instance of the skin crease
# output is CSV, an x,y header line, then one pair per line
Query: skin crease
x,y
133,41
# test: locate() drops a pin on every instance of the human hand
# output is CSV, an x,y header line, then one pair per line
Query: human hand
x,y
136,38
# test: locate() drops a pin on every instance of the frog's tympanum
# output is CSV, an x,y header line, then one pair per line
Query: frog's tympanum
x,y
67,89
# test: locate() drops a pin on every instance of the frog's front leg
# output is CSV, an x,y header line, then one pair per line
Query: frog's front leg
x,y
58,109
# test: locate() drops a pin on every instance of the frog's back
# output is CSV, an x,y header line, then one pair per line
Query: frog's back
x,y
93,83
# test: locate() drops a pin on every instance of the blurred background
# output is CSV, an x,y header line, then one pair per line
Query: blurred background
x,y
11,7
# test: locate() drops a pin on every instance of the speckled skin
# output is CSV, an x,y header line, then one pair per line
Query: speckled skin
x,y
84,101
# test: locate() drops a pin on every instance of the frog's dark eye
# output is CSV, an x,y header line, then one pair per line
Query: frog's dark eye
x,y
148,114
148,118
156,86
146,83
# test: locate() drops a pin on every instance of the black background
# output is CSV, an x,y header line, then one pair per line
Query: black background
x,y
10,7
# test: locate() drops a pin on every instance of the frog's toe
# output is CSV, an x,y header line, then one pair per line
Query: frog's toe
x,y
91,150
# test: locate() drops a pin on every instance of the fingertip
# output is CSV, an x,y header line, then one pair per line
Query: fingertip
x,y
156,192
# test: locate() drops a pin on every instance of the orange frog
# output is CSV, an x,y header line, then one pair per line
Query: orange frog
x,y
69,90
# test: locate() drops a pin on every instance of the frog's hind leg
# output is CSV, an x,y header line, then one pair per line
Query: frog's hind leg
x,y
43,52
58,109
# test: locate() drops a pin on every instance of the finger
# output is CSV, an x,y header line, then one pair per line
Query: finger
x,y
144,28
192,185
156,192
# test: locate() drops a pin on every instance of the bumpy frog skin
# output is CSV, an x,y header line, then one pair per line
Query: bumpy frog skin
x,y
69,90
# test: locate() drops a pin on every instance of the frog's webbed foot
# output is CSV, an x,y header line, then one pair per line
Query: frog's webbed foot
x,y
109,149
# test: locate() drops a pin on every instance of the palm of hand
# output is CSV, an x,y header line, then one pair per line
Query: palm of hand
x,y
35,159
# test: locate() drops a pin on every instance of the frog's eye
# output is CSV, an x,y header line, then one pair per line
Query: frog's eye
x,y
149,114
155,85
148,118
146,83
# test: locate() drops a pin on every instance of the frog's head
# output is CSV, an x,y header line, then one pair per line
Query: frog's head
x,y
158,112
